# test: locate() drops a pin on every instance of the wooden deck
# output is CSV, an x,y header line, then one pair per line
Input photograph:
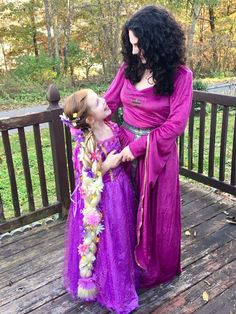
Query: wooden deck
x,y
31,266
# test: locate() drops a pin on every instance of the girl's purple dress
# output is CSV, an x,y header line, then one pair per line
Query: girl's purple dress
x,y
114,270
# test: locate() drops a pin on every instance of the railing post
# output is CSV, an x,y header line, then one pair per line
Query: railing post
x,y
2,218
58,150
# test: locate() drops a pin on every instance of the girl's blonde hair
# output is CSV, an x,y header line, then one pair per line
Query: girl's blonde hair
x,y
77,104
77,110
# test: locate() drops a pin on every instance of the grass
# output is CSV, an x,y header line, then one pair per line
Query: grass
x,y
5,189
229,143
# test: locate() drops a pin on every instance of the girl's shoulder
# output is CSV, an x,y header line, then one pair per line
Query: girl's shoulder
x,y
114,126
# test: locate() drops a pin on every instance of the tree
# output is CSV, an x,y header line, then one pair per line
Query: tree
x,y
48,26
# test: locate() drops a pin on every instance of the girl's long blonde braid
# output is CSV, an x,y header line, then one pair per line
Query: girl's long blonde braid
x,y
76,109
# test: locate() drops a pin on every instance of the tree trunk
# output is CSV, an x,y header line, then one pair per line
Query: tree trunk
x,y
67,32
110,13
116,36
4,57
48,26
34,28
72,75
213,38
55,34
191,31
199,65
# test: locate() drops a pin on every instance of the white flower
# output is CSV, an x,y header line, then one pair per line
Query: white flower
x,y
94,166
90,257
96,187
86,181
99,229
88,209
64,117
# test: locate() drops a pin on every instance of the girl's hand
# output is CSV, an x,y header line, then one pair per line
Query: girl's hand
x,y
127,154
112,161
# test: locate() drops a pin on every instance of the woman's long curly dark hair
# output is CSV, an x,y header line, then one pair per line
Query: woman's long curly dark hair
x,y
162,42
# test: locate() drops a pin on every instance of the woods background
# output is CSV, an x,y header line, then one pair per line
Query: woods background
x,y
72,42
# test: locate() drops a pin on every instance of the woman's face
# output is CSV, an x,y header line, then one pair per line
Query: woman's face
x,y
135,49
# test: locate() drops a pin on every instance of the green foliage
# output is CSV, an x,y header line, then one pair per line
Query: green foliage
x,y
75,53
37,69
198,85
120,116
16,92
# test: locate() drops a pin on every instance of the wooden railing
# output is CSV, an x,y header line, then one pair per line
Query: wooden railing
x,y
50,116
197,157
203,143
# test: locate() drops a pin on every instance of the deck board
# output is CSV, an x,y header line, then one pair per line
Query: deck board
x,y
31,266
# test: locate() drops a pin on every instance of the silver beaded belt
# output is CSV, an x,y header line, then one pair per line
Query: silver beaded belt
x,y
138,132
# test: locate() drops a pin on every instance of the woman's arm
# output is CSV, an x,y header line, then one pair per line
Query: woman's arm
x,y
112,95
180,107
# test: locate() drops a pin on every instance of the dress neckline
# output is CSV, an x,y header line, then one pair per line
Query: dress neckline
x,y
141,90
110,137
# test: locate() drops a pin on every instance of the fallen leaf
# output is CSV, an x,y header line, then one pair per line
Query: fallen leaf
x,y
187,233
205,296
207,282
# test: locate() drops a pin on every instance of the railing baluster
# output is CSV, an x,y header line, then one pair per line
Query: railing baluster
x,y
211,159
190,139
69,159
2,217
26,168
233,162
201,137
11,172
39,154
224,129
181,150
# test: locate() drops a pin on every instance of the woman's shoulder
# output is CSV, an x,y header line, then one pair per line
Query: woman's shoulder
x,y
183,78
122,68
183,71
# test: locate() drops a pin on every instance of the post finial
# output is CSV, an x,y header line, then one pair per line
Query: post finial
x,y
53,97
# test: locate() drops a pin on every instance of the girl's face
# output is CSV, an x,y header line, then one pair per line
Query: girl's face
x,y
98,106
135,49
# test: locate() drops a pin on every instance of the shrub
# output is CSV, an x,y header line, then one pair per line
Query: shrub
x,y
198,85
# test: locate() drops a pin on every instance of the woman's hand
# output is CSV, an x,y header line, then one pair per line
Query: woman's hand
x,y
127,154
112,161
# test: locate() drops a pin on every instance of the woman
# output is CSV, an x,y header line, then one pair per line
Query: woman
x,y
155,88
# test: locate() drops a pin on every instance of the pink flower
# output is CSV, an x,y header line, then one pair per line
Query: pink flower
x,y
82,192
94,156
83,249
93,219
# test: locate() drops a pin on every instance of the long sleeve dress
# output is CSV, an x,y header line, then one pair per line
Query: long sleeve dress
x,y
115,273
157,250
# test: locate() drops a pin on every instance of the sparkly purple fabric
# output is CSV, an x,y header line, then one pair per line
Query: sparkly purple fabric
x,y
115,271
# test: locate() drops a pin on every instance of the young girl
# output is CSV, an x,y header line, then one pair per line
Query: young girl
x,y
99,261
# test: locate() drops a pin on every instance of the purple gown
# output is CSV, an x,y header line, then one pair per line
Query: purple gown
x,y
115,271
157,249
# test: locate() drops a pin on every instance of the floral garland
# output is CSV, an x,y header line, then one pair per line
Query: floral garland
x,y
90,188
